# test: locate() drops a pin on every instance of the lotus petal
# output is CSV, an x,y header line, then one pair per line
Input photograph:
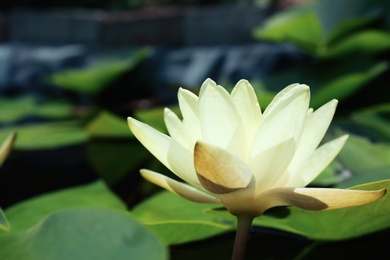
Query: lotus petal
x,y
219,171
181,189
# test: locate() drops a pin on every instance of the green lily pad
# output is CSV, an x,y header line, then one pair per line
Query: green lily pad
x,y
330,79
28,213
299,26
318,27
361,155
348,25
84,233
113,151
366,177
176,220
330,176
114,159
4,224
46,135
108,125
376,119
367,42
366,161
342,87
21,107
93,79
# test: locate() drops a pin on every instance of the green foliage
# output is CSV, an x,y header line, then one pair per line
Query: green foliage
x,y
361,155
93,79
19,108
366,161
330,79
46,135
108,125
332,175
345,86
301,27
322,30
83,233
82,222
4,225
347,26
28,213
124,156
176,220
111,133
348,44
376,119
368,42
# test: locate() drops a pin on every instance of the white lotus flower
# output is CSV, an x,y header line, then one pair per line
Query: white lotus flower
x,y
229,152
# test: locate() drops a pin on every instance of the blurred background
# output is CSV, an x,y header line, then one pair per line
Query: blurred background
x,y
72,71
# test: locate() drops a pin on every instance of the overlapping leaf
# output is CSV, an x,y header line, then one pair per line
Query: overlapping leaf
x,y
346,85
87,222
92,80
323,30
108,125
176,220
28,213
368,42
376,120
4,224
366,161
47,135
16,109
83,233
114,159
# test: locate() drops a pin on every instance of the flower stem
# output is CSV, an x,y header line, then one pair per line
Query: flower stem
x,y
244,224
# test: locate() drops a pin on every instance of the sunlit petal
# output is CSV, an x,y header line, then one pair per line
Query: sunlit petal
x,y
317,162
220,171
315,128
168,151
156,142
248,107
189,108
220,122
283,119
279,135
177,130
182,189
273,159
206,84
284,92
